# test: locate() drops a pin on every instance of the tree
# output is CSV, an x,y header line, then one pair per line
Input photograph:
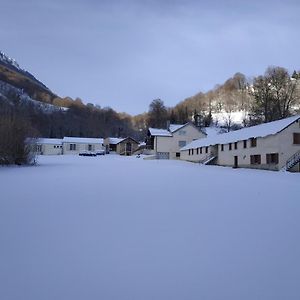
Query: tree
x,y
274,94
157,114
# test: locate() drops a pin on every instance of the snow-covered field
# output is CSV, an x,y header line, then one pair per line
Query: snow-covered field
x,y
125,228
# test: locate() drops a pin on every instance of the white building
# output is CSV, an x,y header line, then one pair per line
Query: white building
x,y
74,145
270,146
49,146
166,143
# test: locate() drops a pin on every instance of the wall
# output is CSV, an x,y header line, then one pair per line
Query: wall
x,y
51,149
80,147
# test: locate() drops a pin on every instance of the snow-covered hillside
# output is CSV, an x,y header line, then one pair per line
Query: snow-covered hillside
x,y
115,227
9,61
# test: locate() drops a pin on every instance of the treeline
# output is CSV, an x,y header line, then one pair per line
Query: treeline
x,y
272,96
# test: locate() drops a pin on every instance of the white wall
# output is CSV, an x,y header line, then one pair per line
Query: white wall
x,y
171,144
81,147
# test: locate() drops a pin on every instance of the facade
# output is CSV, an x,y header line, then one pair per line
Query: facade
x,y
123,146
74,145
166,143
49,146
127,146
270,146
110,144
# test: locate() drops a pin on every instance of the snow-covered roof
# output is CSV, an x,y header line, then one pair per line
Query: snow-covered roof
x,y
79,140
212,131
244,134
175,127
115,141
159,132
49,141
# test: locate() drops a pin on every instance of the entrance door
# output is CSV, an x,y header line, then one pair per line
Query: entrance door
x,y
236,162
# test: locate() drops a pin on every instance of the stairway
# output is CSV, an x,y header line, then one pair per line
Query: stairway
x,y
292,161
208,159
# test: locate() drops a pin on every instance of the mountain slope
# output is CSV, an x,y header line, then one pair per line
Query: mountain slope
x,y
13,74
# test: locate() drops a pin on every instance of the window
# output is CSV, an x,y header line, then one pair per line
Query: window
x,y
222,147
272,158
206,149
235,145
296,138
255,159
90,147
253,142
72,147
177,154
182,132
192,151
245,144
200,150
39,148
230,147
189,151
197,151
181,144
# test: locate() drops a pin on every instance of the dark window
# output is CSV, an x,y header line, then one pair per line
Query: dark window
x,y
253,142
206,149
255,159
272,158
200,150
230,147
222,147
72,147
245,143
197,151
192,151
189,151
235,145
296,138
177,154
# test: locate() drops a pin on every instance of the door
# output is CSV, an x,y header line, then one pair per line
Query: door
x,y
236,162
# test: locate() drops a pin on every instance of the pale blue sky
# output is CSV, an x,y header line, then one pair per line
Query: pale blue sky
x,y
123,54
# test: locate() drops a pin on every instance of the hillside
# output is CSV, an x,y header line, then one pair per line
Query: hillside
x,y
13,74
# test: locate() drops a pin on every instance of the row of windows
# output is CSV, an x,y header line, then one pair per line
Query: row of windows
x,y
253,143
198,150
271,158
57,146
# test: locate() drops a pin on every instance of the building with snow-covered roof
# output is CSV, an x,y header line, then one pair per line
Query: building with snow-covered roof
x,y
75,145
166,143
123,146
48,146
271,146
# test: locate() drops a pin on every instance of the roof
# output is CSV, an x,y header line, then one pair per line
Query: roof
x,y
80,140
159,132
115,141
262,130
175,127
49,141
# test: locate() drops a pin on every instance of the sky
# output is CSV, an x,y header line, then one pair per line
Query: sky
x,y
124,54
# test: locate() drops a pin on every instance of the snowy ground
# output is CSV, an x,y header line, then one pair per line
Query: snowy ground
x,y
125,228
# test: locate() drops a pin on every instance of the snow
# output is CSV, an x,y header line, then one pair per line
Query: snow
x,y
175,127
82,140
212,131
115,141
262,130
114,227
159,132
235,117
49,141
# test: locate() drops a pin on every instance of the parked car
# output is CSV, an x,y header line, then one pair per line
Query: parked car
x,y
87,153
100,152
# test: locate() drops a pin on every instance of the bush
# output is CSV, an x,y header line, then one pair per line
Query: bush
x,y
14,148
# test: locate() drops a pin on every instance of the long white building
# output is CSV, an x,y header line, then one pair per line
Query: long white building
x,y
270,146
